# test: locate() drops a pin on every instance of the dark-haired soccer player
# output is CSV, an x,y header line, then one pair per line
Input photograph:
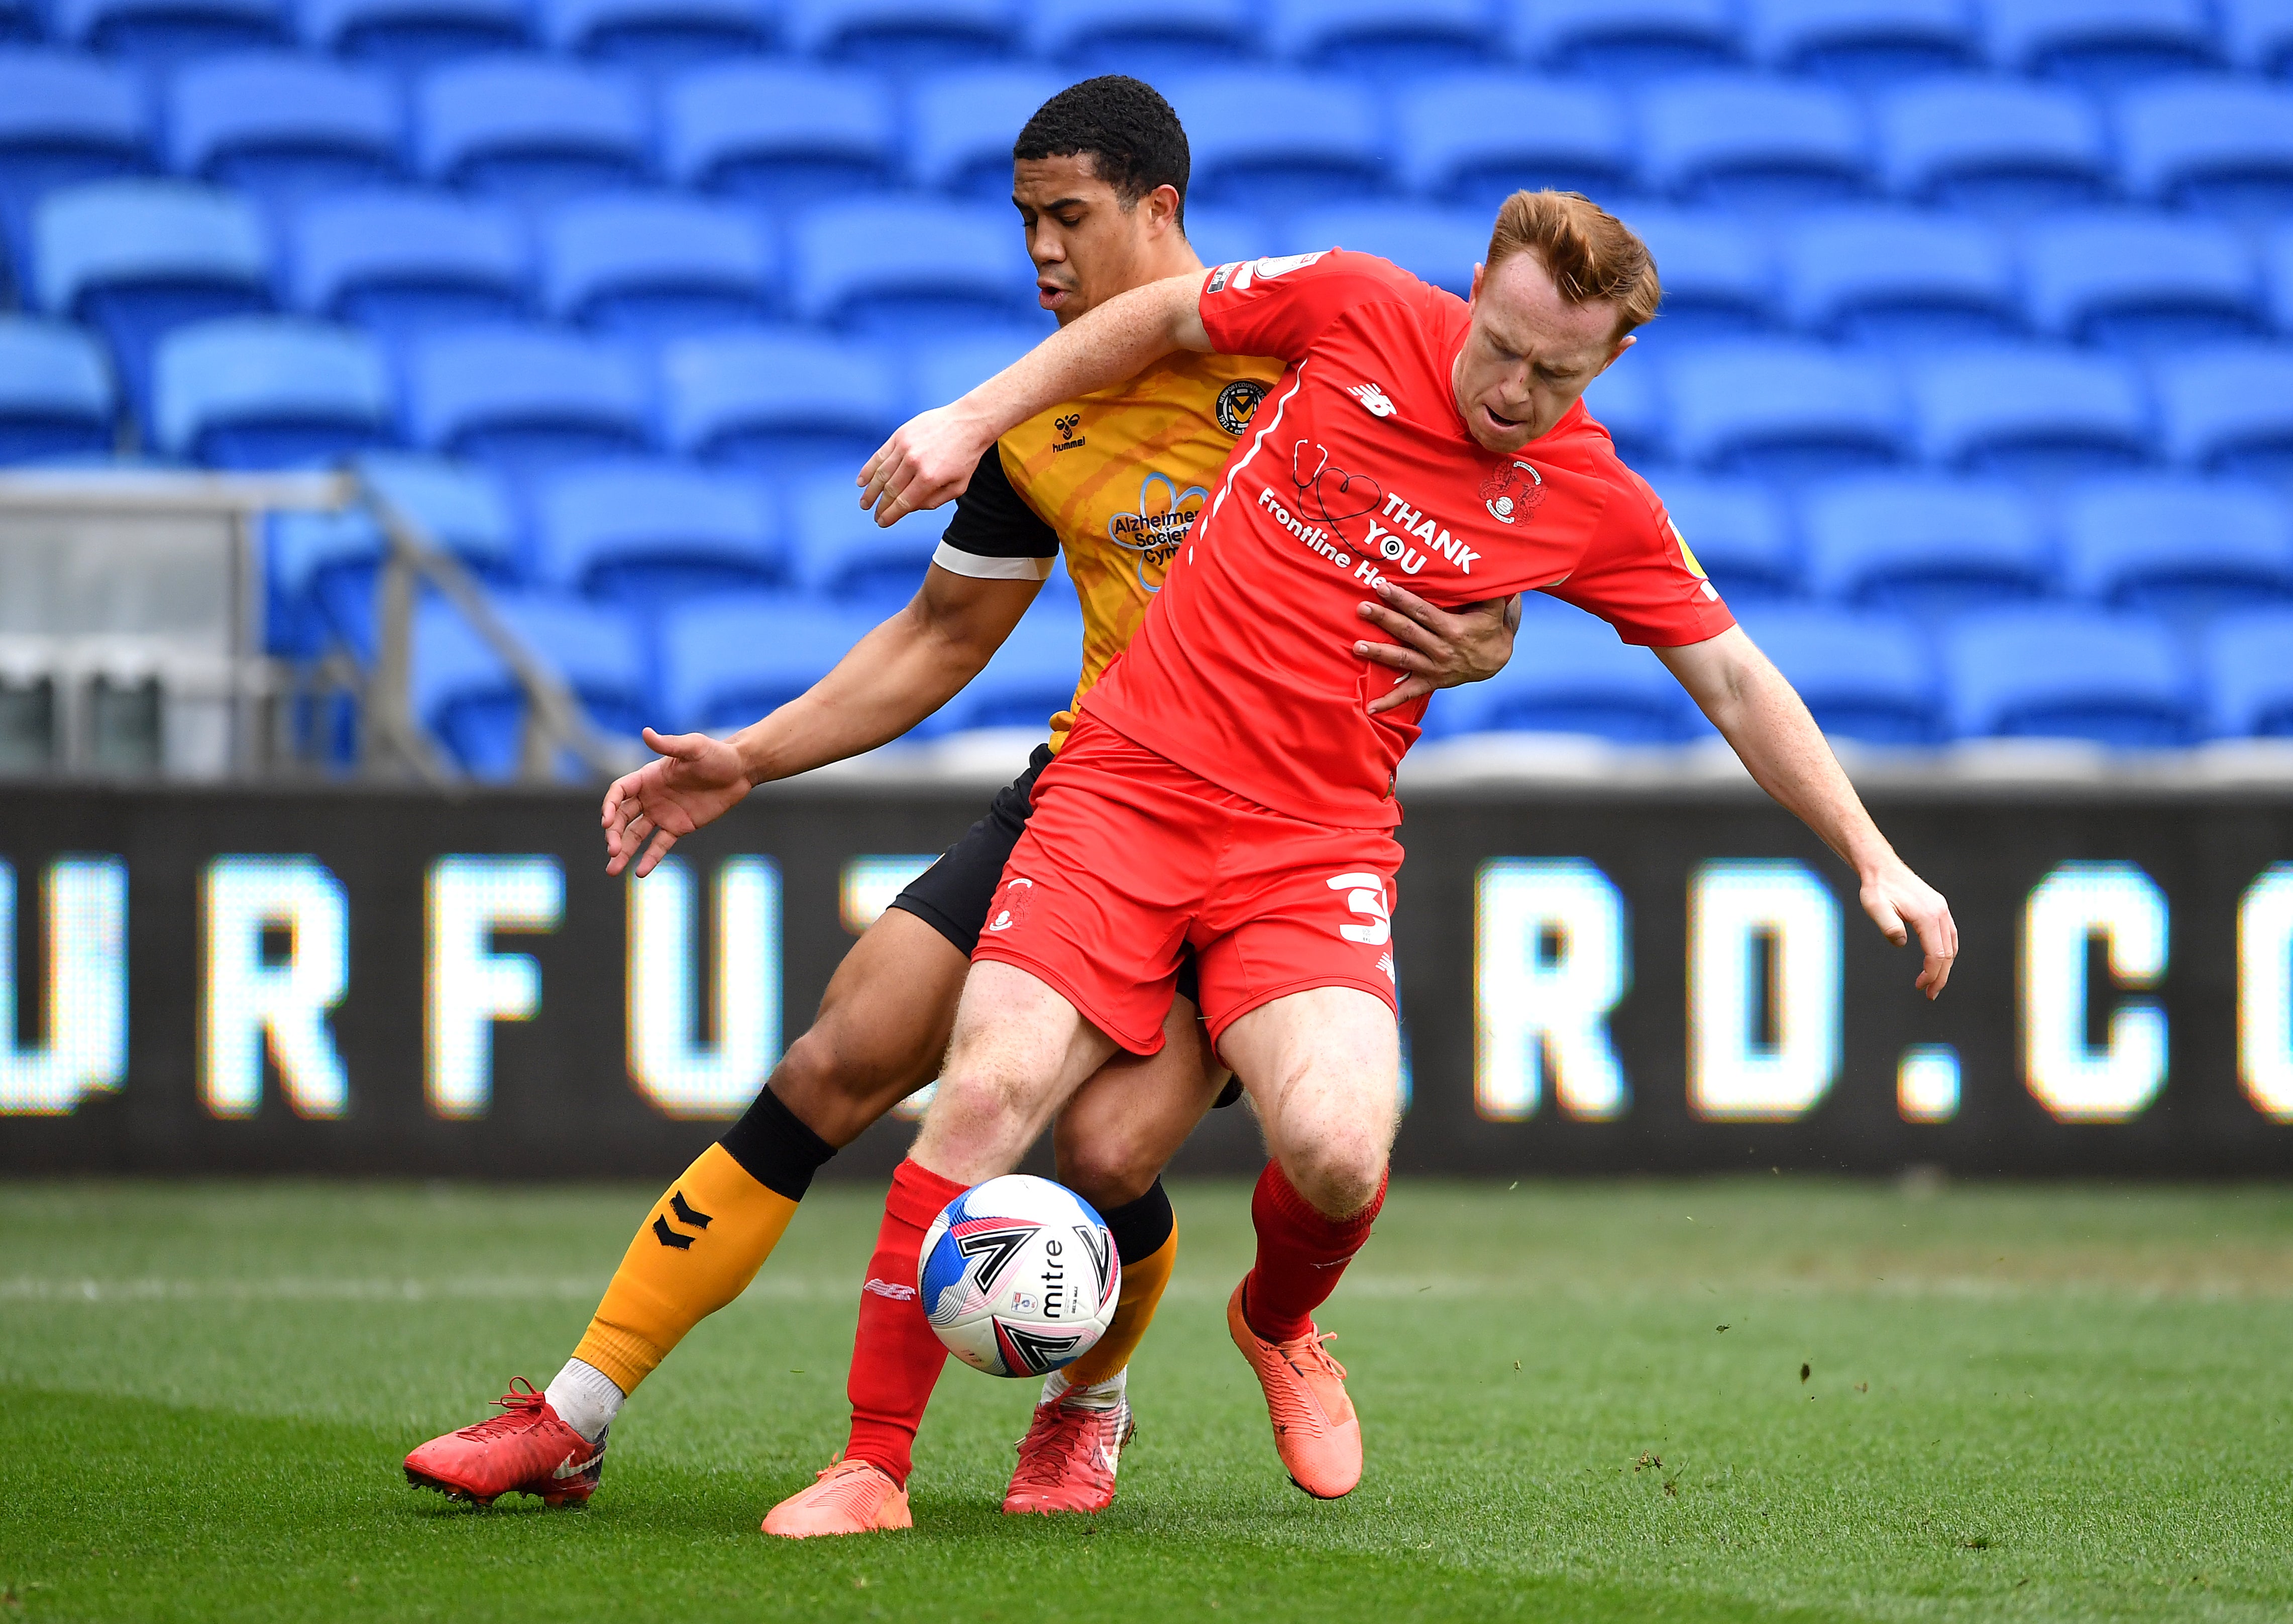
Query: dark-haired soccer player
x,y
1113,478
1228,787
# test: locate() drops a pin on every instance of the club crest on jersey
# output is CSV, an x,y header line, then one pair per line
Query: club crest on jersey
x,y
1152,535
1010,905
1512,492
1237,404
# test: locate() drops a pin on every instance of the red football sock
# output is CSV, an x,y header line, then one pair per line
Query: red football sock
x,y
1301,1256
895,1354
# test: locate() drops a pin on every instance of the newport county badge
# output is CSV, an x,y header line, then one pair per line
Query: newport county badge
x,y
1237,404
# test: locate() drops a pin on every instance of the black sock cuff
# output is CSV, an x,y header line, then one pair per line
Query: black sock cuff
x,y
774,1147
1141,1228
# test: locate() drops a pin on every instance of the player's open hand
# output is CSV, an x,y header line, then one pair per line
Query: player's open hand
x,y
1434,648
927,461
694,780
1901,903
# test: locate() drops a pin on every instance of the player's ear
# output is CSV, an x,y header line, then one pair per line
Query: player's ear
x,y
1480,273
1623,344
1162,206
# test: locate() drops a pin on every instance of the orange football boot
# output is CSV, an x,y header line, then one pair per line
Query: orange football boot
x,y
1315,1431
1067,1459
525,1450
851,1496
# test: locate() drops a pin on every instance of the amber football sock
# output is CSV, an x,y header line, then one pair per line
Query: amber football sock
x,y
1146,1239
895,1354
1301,1254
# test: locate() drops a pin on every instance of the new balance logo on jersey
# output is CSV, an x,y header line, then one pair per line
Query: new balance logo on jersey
x,y
1373,399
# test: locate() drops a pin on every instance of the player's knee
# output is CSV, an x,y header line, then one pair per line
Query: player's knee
x,y
1106,1169
1339,1173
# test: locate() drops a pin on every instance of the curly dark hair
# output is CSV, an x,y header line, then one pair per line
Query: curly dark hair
x,y
1134,139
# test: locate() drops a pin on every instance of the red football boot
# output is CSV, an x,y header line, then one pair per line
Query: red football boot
x,y
1067,1459
525,1450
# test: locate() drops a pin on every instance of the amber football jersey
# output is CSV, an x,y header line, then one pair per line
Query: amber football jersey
x,y
1113,480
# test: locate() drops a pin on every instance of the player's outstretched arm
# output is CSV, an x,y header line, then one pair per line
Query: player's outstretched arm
x,y
1436,648
1758,712
930,460
893,677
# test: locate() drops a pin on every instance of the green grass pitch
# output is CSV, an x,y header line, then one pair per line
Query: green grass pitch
x,y
1756,1399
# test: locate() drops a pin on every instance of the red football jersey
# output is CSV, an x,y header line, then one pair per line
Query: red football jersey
x,y
1358,466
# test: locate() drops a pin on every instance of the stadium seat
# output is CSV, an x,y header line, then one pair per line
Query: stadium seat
x,y
533,130
1280,141
1867,677
961,124
1568,674
1221,236
282,127
779,134
2212,144
726,661
842,553
1923,545
2248,680
1627,39
1737,531
63,119
655,267
913,267
657,36
2048,672
163,31
462,508
2258,34
56,397
2230,410
787,402
1434,245
1750,142
1718,272
411,36
647,534
2031,414
2186,549
1628,401
905,34
135,258
2102,44
939,370
1029,679
19,19
1387,38
1900,277
2140,283
525,399
1151,38
1473,139
466,693
1990,145
268,391
1863,44
408,263
1782,410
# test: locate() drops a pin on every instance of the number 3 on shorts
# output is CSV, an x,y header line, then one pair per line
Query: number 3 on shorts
x,y
1365,896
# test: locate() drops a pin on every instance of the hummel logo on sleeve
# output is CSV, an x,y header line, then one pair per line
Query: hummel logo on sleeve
x,y
1373,399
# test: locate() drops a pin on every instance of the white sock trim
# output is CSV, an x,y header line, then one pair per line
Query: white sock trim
x,y
1096,1396
585,1399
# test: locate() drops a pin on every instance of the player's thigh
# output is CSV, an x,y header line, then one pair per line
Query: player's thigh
x,y
1323,1067
882,1027
1124,1125
1019,1051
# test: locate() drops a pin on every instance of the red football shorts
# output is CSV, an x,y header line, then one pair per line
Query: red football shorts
x,y
1129,859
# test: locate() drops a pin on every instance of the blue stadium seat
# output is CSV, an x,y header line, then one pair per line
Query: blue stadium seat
x,y
2258,34
343,549
904,33
464,693
655,267
961,124
525,399
2102,44
2047,672
1867,677
534,130
2187,549
1782,410
913,267
135,258
649,533
1029,679
268,391
1737,531
2249,679
1901,278
408,263
1718,272
1569,675
2230,410
1434,245
1994,146
281,126
1922,544
2035,415
779,133
2213,144
2142,283
410,35
842,553
785,402
1864,43
657,36
1628,401
726,661
1475,139
63,119
19,19
1279,140
56,397
1627,39
1387,38
1221,236
161,31
1150,39
1753,142
939,370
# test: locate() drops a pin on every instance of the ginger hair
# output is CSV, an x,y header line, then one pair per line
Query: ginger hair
x,y
1593,256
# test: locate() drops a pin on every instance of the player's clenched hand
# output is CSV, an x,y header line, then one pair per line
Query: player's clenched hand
x,y
1901,904
694,781
1435,648
927,461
